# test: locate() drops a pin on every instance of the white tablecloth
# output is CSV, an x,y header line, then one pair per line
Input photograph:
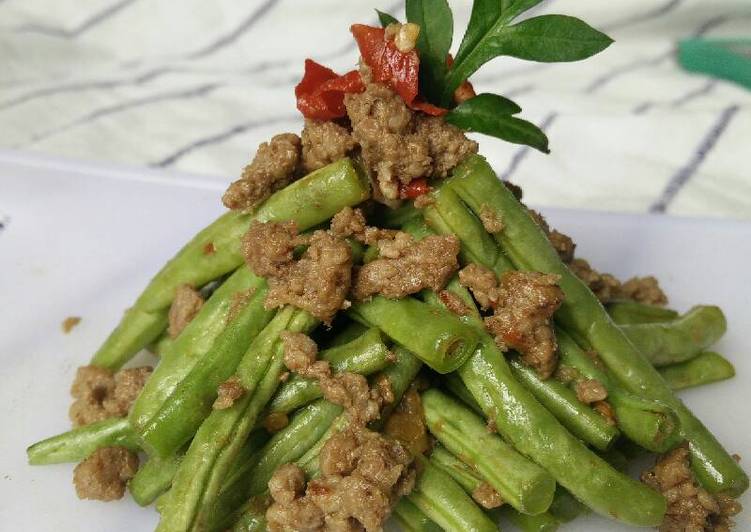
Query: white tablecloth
x,y
196,85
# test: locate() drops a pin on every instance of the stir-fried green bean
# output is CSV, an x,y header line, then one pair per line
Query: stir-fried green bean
x,y
705,368
77,444
521,483
524,242
308,201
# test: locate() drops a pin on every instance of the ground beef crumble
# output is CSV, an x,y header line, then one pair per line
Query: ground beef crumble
x,y
228,392
406,266
523,304
104,474
490,220
185,306
99,394
318,282
324,143
273,167
643,290
447,144
70,323
590,390
486,496
363,473
690,507
399,145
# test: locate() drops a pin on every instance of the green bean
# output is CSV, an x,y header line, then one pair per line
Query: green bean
x,y
399,375
192,344
216,444
544,522
364,355
680,339
252,517
306,427
649,423
521,483
577,417
153,479
250,478
444,501
412,519
453,383
705,368
449,215
348,332
463,474
444,342
183,411
529,426
77,444
527,246
309,201
627,312
565,507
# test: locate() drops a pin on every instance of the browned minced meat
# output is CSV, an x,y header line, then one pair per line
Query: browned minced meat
x,y
318,282
483,284
454,303
349,390
275,422
238,302
603,285
100,395
447,144
386,131
486,496
523,305
406,267
69,323
605,410
323,143
407,423
363,474
228,392
590,390
185,306
690,507
567,374
490,220
272,168
644,290
349,222
104,474
563,244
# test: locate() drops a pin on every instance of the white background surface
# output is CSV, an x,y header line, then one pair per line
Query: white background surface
x,y
196,86
83,240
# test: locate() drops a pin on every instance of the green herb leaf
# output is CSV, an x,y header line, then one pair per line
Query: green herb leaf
x,y
546,38
385,19
491,114
436,31
553,38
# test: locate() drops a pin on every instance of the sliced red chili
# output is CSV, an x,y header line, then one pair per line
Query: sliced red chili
x,y
415,188
320,93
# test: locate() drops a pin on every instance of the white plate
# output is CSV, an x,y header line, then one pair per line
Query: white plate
x,y
83,240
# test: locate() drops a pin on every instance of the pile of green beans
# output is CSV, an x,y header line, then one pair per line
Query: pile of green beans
x,y
495,424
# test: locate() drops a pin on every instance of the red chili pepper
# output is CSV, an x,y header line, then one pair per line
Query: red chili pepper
x,y
398,70
320,93
428,108
415,188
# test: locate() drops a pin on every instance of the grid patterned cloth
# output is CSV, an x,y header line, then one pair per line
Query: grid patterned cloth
x,y
196,86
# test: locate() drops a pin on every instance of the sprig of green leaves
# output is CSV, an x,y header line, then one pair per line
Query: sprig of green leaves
x,y
433,43
491,114
491,33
